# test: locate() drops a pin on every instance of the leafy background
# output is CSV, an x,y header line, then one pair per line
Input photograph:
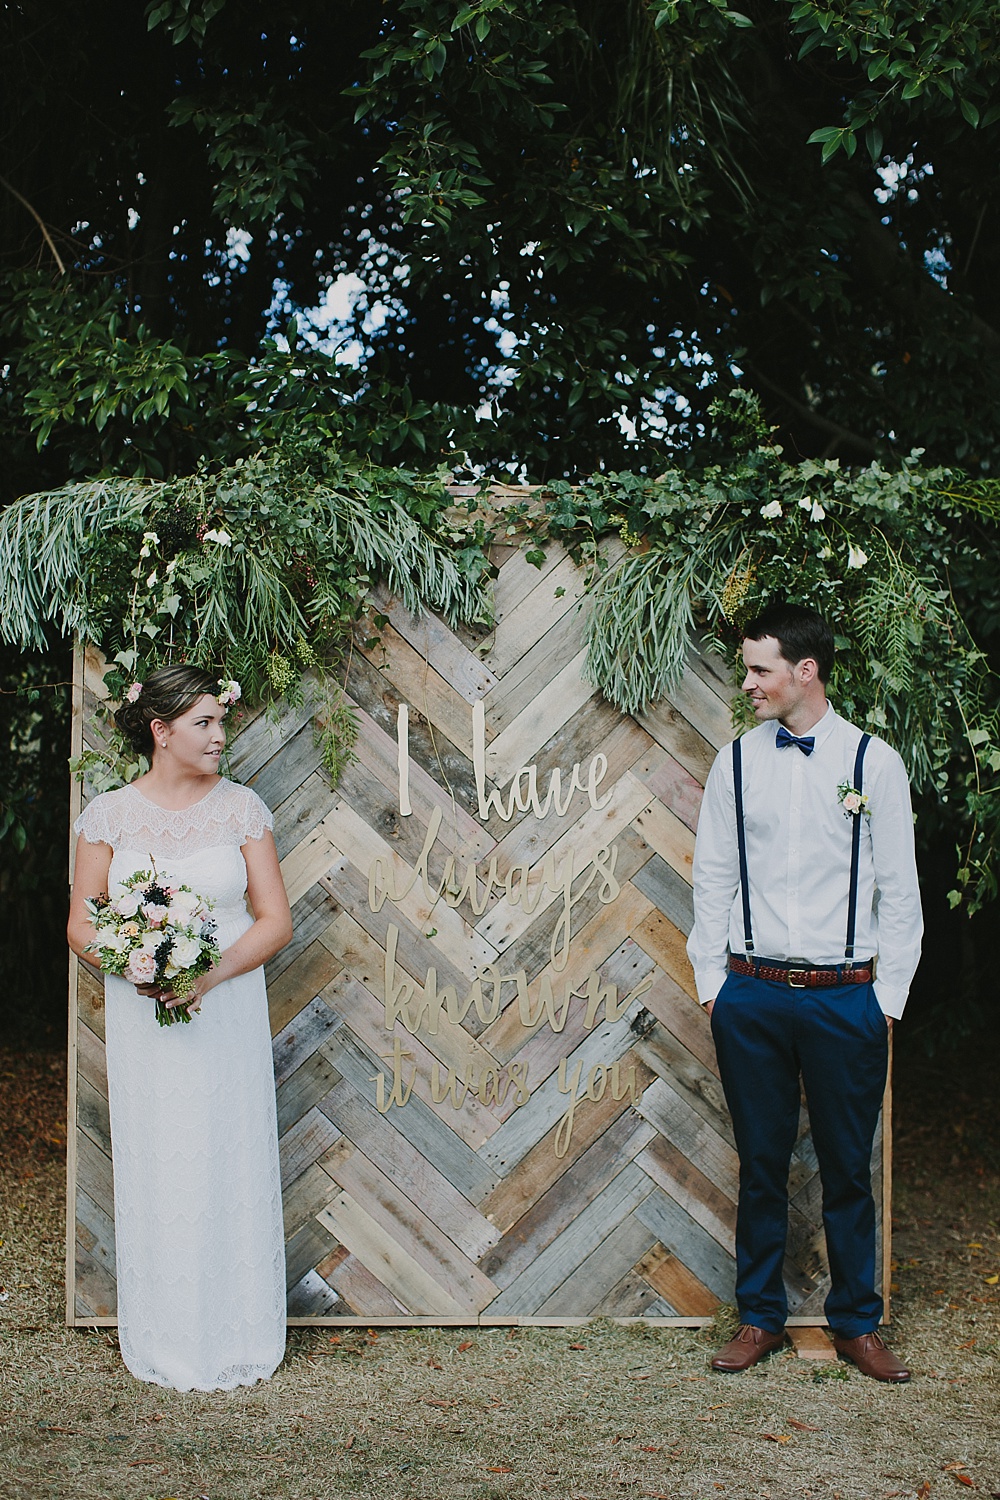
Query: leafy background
x,y
556,232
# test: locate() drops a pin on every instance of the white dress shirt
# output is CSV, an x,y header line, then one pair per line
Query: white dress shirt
x,y
798,840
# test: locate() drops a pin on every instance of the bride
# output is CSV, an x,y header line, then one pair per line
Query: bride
x,y
199,1241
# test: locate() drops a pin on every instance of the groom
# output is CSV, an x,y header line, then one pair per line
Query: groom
x,y
804,875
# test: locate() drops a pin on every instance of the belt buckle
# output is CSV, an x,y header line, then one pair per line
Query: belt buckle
x,y
797,968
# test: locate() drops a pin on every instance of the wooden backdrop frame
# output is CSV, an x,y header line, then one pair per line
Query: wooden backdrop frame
x,y
699,697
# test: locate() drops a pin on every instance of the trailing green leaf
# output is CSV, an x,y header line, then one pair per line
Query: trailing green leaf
x,y
258,570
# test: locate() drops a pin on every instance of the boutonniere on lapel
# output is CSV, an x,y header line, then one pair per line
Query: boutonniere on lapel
x,y
854,803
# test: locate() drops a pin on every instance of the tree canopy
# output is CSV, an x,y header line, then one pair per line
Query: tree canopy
x,y
528,238
559,227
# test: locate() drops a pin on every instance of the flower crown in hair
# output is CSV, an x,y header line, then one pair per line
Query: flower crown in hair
x,y
229,692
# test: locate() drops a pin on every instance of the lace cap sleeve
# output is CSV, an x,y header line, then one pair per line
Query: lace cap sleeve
x,y
255,816
97,822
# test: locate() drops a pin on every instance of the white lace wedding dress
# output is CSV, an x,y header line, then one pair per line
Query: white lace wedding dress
x,y
198,1229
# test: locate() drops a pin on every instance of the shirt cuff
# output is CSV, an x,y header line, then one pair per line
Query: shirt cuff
x,y
709,982
891,1001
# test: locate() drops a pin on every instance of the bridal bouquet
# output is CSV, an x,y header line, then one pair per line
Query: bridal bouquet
x,y
155,933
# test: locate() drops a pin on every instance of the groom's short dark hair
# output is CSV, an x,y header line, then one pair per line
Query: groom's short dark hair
x,y
799,632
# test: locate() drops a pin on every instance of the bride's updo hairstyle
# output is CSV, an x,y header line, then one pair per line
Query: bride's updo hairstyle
x,y
166,694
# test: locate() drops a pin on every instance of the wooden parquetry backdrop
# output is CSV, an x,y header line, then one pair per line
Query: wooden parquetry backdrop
x,y
539,1165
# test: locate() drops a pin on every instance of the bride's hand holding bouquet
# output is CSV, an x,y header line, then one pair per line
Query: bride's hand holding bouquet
x,y
160,937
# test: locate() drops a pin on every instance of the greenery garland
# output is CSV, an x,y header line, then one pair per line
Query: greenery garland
x,y
258,571
884,555
263,568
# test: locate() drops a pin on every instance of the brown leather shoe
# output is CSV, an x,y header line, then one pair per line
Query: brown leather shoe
x,y
872,1357
749,1345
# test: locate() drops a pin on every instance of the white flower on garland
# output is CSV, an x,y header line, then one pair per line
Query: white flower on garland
x,y
772,511
221,537
816,511
855,557
149,540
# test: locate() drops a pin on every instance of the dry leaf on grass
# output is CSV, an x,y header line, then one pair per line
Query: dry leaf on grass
x,y
803,1426
923,1490
467,1345
776,1437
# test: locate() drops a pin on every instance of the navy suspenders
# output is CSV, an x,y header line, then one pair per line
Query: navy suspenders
x,y
741,839
852,900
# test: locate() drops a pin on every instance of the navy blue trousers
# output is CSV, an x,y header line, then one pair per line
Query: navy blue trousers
x,y
767,1036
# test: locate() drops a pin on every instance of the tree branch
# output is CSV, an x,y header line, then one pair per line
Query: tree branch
x,y
822,424
905,285
38,220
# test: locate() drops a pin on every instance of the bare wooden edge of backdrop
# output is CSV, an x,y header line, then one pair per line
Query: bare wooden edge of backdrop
x,y
515,1321
508,494
72,1059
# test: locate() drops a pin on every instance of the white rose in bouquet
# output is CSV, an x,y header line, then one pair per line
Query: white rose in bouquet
x,y
185,952
183,908
116,942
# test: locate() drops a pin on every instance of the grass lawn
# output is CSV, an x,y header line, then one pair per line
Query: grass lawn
x,y
506,1415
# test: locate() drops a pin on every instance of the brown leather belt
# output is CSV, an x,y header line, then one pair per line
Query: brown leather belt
x,y
800,976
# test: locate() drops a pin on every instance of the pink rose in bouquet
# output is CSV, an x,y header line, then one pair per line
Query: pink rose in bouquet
x,y
141,967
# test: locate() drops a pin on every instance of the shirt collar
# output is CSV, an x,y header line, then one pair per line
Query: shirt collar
x,y
821,730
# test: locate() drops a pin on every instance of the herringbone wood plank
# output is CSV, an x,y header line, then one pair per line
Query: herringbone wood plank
x,y
497,1096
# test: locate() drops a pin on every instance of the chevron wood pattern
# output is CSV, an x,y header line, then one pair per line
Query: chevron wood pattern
x,y
498,1100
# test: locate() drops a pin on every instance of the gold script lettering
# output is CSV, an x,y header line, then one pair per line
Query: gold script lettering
x,y
522,800
400,1092
597,1082
403,1003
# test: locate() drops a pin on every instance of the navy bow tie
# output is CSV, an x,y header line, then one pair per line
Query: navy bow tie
x,y
805,742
